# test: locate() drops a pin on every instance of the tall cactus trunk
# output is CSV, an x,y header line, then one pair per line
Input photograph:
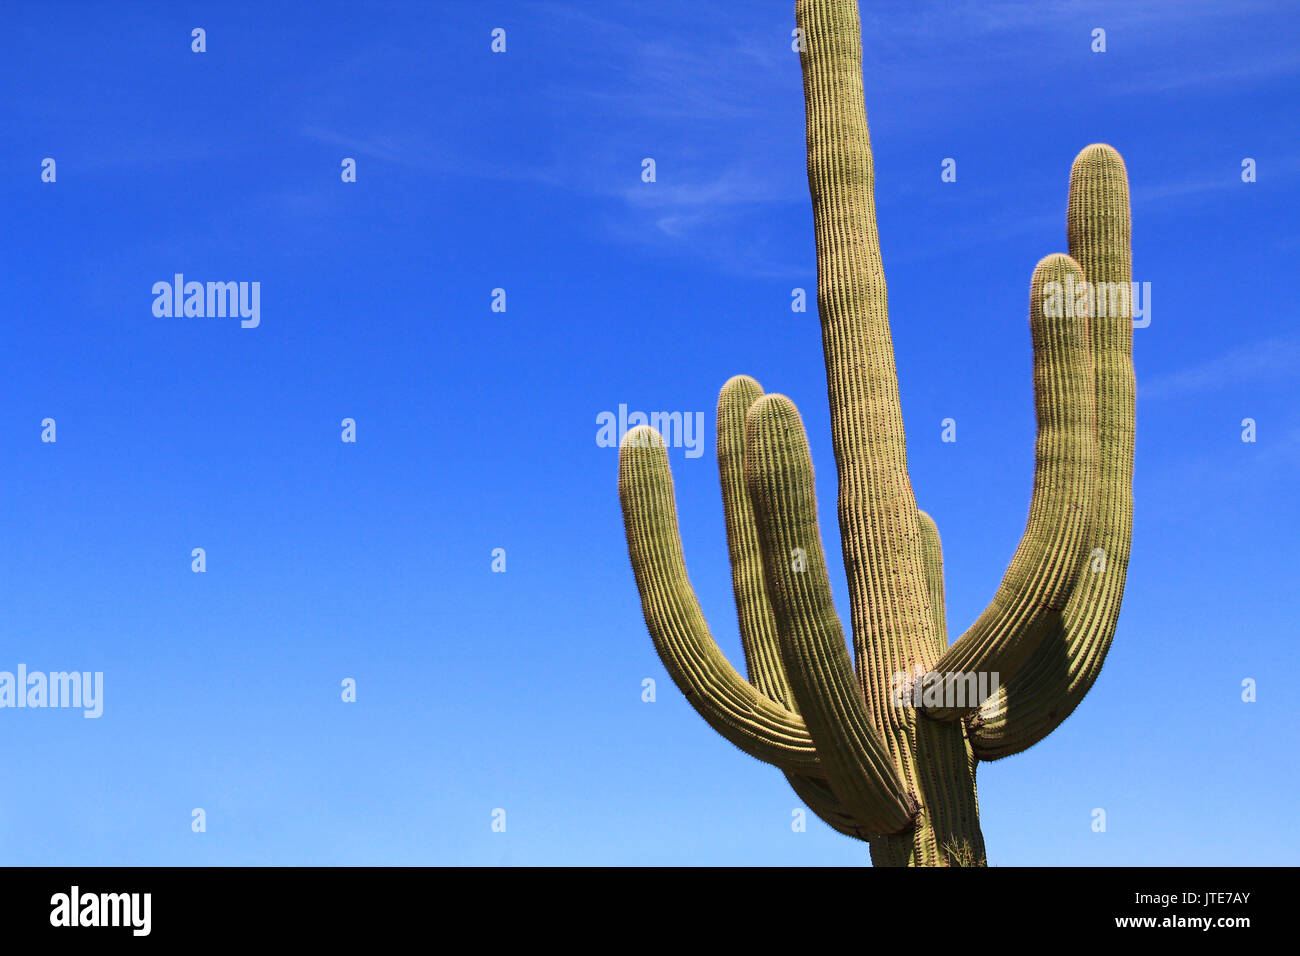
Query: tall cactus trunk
x,y
882,745
893,630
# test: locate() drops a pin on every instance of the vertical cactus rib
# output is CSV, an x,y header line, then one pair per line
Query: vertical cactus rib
x,y
1056,539
778,474
1048,689
730,705
879,524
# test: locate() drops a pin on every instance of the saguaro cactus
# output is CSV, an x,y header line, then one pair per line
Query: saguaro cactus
x,y
848,733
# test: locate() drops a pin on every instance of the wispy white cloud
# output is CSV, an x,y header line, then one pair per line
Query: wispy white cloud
x,y
380,146
735,186
709,66
1255,362
696,86
1249,69
965,17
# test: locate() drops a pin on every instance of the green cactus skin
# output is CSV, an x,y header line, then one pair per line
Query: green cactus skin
x,y
901,778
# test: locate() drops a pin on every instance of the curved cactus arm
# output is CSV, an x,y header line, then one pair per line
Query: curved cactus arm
x,y
879,525
932,549
1056,540
778,473
727,702
757,625
1035,701
817,796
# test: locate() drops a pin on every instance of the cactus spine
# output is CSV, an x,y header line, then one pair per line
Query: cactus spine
x,y
899,777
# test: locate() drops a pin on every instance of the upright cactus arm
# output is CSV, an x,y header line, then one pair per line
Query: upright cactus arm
x,y
1051,685
778,472
753,722
932,550
1056,541
758,634
757,624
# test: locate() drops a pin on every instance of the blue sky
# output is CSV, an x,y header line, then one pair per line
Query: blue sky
x,y
476,429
